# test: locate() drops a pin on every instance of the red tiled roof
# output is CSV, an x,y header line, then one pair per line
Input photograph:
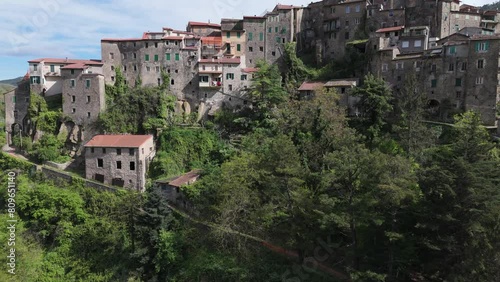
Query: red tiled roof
x,y
285,7
389,29
118,141
75,66
185,178
249,70
121,39
66,61
203,24
211,40
26,76
221,61
309,86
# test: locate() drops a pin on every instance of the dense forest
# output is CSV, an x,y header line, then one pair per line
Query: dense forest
x,y
292,190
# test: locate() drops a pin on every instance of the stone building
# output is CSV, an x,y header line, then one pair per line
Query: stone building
x,y
171,188
46,73
255,28
203,29
83,92
175,53
119,160
461,74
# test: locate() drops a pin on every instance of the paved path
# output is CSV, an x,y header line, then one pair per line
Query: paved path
x,y
11,151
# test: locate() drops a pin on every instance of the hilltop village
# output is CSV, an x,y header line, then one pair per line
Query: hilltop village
x,y
452,49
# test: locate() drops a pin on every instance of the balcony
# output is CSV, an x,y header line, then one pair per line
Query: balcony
x,y
211,84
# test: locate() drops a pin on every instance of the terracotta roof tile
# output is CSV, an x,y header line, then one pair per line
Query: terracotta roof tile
x,y
389,29
204,24
310,86
118,141
184,179
221,61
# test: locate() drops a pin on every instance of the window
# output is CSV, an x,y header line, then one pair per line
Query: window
x,y
482,46
357,8
92,150
146,58
250,49
135,68
261,36
177,57
156,58
357,21
112,78
157,69
479,80
52,68
147,45
230,76
132,165
88,99
385,67
156,44
73,71
72,83
230,86
347,23
125,68
35,67
480,63
250,36
238,34
451,67
104,150
458,82
406,44
347,10
417,43
400,65
434,83
87,83
73,99
452,50
332,10
270,30
118,164
276,29
172,82
111,56
167,56
278,39
243,77
135,55
100,163
238,47
261,49
273,53
458,94
119,152
131,151
88,114
464,66
433,67
228,34
142,151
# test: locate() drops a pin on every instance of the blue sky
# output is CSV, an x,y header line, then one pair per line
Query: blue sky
x,y
73,28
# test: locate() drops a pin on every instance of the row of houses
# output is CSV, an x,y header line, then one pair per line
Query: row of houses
x,y
453,49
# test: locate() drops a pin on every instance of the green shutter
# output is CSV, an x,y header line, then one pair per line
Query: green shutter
x,y
477,46
238,34
13,99
167,56
156,58
146,57
278,39
177,56
250,36
487,45
276,29
261,35
228,34
270,29
238,47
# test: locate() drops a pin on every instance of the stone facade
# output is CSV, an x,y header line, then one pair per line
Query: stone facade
x,y
119,160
